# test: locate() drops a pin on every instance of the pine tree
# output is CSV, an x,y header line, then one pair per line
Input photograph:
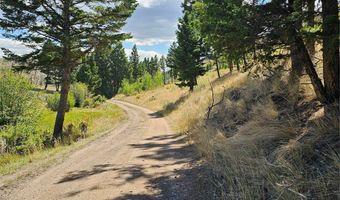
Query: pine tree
x,y
330,37
76,26
113,68
134,62
188,56
162,64
170,61
88,73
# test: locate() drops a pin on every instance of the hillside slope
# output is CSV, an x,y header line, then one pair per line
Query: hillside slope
x,y
262,140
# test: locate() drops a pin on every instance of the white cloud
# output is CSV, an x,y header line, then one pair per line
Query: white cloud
x,y
15,46
154,22
151,41
150,3
143,54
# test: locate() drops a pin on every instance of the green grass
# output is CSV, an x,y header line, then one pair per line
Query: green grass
x,y
99,120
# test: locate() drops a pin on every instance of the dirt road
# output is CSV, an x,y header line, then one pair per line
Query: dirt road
x,y
140,159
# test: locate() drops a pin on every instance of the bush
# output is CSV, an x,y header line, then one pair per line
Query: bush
x,y
15,97
80,92
99,99
53,102
147,82
73,133
94,101
23,138
19,115
88,103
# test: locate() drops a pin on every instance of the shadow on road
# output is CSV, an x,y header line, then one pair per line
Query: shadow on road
x,y
184,183
76,175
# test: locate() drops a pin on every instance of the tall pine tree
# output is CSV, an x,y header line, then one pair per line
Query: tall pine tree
x,y
188,55
76,26
113,68
162,64
88,73
134,64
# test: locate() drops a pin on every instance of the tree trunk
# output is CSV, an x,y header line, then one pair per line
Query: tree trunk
x,y
46,84
191,86
217,67
238,66
66,79
330,38
310,42
295,54
297,64
231,66
164,77
57,85
309,66
59,122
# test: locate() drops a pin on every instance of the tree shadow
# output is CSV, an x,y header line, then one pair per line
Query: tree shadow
x,y
189,181
48,91
185,184
97,169
170,107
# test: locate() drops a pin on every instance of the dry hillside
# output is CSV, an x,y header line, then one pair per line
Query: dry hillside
x,y
261,140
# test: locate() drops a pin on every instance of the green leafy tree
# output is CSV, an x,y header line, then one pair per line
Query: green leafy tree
x,y
76,26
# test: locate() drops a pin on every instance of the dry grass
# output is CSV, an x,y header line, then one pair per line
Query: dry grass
x,y
183,109
262,141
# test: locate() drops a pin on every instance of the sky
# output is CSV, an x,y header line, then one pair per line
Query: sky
x,y
152,25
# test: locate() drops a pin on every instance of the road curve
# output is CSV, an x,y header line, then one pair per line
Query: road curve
x,y
138,160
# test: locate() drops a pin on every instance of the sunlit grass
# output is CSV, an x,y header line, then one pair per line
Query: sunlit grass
x,y
99,120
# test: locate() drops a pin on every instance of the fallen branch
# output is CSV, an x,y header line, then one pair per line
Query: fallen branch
x,y
213,104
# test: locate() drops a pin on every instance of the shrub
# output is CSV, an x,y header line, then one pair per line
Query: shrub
x,y
19,115
99,99
147,82
88,103
15,97
23,137
73,133
80,92
94,101
53,102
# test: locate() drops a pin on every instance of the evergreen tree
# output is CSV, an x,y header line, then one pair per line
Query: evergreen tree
x,y
113,68
170,61
47,60
330,37
88,73
188,56
162,64
134,62
76,26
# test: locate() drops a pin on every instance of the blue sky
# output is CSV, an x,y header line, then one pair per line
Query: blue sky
x,y
152,26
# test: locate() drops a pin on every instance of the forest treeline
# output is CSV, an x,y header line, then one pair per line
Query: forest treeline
x,y
255,36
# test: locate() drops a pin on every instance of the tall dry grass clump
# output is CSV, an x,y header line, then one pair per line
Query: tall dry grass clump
x,y
254,144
